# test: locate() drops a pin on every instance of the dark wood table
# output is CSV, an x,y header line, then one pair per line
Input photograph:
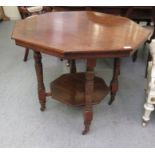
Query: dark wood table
x,y
76,35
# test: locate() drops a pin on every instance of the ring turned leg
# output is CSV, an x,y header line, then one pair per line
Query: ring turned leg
x,y
39,74
114,82
89,86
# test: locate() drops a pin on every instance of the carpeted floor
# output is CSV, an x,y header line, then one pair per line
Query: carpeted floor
x,y
23,125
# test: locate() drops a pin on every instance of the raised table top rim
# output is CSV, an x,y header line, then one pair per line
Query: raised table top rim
x,y
79,54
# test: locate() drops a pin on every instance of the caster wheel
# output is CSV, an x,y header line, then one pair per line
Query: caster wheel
x,y
42,108
144,124
67,64
84,132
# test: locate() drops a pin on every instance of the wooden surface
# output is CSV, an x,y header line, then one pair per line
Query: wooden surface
x,y
80,34
75,35
70,89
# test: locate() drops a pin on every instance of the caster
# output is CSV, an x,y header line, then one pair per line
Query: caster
x,y
85,131
42,108
68,64
144,123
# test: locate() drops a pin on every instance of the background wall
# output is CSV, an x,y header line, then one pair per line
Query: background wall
x,y
12,12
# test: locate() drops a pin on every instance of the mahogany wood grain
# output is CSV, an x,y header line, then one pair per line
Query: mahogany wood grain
x,y
80,34
70,89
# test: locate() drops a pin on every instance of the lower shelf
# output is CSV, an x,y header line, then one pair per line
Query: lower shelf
x,y
70,89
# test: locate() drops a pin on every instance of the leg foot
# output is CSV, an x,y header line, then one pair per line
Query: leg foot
x,y
42,108
88,116
26,54
144,123
85,131
111,100
114,82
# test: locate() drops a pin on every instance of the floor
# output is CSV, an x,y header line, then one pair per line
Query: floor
x,y
22,124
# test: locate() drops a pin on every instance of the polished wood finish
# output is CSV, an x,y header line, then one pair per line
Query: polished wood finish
x,y
23,10
70,89
89,89
79,35
114,82
136,13
91,34
39,74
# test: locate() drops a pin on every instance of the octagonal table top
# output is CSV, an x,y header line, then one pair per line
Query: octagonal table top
x,y
80,34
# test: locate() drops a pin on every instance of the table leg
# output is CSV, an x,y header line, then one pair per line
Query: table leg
x,y
39,74
26,54
114,82
134,56
89,86
72,66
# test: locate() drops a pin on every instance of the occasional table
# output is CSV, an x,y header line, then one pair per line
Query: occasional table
x,y
77,35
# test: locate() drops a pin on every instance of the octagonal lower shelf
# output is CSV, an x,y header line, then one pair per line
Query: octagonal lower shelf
x,y
70,89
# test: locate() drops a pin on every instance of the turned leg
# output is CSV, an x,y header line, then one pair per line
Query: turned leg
x,y
114,82
72,65
26,54
39,74
148,109
89,86
134,57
